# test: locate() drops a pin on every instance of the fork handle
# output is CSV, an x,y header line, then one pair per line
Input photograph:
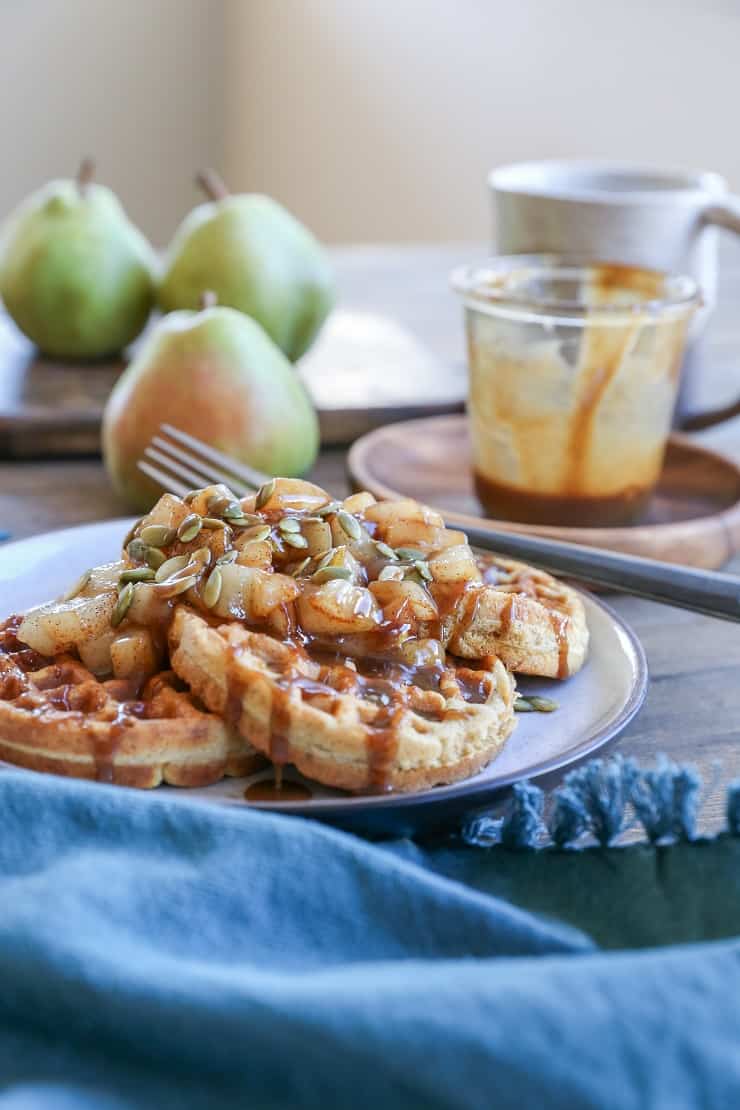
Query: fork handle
x,y
703,591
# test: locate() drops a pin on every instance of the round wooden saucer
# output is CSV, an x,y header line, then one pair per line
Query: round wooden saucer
x,y
693,518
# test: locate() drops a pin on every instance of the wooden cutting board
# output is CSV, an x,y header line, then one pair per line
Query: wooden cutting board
x,y
365,370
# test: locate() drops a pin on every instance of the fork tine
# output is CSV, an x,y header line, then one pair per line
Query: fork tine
x,y
166,481
188,474
252,478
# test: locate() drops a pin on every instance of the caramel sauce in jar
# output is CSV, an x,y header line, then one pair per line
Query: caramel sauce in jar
x,y
573,377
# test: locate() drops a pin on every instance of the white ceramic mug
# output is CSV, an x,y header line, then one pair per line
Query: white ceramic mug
x,y
617,212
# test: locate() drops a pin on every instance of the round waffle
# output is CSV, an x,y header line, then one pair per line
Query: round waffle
x,y
56,716
357,729
533,622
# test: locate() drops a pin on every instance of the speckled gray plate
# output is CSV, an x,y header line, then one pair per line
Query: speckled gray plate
x,y
595,705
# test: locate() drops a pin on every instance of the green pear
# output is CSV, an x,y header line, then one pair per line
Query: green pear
x,y
256,257
76,276
216,374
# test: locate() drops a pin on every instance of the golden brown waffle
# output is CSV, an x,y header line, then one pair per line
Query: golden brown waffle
x,y
533,622
56,716
344,724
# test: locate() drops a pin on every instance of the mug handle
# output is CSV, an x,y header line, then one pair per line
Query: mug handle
x,y
725,214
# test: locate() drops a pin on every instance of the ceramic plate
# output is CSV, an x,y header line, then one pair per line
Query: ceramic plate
x,y
595,705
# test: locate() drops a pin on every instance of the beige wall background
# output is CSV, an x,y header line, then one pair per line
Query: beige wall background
x,y
138,84
371,119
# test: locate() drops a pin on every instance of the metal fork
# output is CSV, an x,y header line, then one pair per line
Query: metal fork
x,y
179,462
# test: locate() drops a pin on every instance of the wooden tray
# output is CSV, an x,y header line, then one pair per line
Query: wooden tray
x,y
365,371
693,518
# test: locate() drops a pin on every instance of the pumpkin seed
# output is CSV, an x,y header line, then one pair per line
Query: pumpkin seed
x,y
264,493
324,557
171,588
190,496
227,557
386,550
233,511
326,510
289,524
202,555
542,705
295,539
523,705
155,557
123,604
212,588
131,533
158,535
349,524
212,522
257,534
423,569
327,574
138,574
190,527
410,554
77,587
391,574
137,550
300,567
171,566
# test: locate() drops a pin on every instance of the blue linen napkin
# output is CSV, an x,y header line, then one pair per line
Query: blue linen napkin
x,y
157,952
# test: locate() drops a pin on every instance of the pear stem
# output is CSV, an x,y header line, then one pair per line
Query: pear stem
x,y
212,184
85,174
208,299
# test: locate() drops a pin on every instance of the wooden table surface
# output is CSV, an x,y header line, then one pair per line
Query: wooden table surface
x,y
692,712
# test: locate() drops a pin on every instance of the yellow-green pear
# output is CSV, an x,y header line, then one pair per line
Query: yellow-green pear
x,y
216,374
75,274
256,257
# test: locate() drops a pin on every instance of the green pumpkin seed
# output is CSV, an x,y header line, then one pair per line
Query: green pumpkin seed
x,y
233,511
138,574
523,705
410,554
542,705
212,588
131,533
189,528
327,574
155,557
391,574
423,569
349,525
300,567
295,540
77,587
171,588
171,566
386,550
202,555
158,535
326,510
324,557
256,535
264,493
123,604
227,557
212,522
137,550
289,524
